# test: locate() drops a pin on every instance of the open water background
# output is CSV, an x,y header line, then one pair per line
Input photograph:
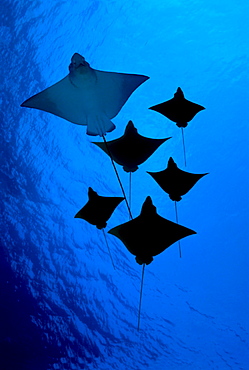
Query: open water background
x,y
62,304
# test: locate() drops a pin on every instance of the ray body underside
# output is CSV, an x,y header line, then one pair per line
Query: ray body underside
x,y
87,97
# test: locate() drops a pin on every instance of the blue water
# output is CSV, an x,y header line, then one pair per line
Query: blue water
x,y
63,306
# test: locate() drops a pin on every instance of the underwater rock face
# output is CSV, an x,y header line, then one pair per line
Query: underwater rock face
x,y
62,304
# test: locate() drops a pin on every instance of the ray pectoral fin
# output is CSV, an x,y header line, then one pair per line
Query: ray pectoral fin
x,y
59,99
37,101
116,88
132,82
41,102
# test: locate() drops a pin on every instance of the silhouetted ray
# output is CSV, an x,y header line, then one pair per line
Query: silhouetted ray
x,y
98,210
148,235
174,181
87,96
131,149
178,109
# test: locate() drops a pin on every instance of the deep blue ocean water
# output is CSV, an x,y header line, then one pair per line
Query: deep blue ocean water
x,y
63,306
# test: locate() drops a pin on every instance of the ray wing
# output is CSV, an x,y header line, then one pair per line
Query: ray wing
x,y
114,89
149,234
98,209
178,183
131,149
87,96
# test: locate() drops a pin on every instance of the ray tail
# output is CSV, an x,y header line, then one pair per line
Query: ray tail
x,y
120,183
108,249
130,190
140,300
179,243
184,150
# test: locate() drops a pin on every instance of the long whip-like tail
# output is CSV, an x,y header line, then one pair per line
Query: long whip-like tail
x,y
120,183
179,243
130,191
184,149
108,249
140,300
